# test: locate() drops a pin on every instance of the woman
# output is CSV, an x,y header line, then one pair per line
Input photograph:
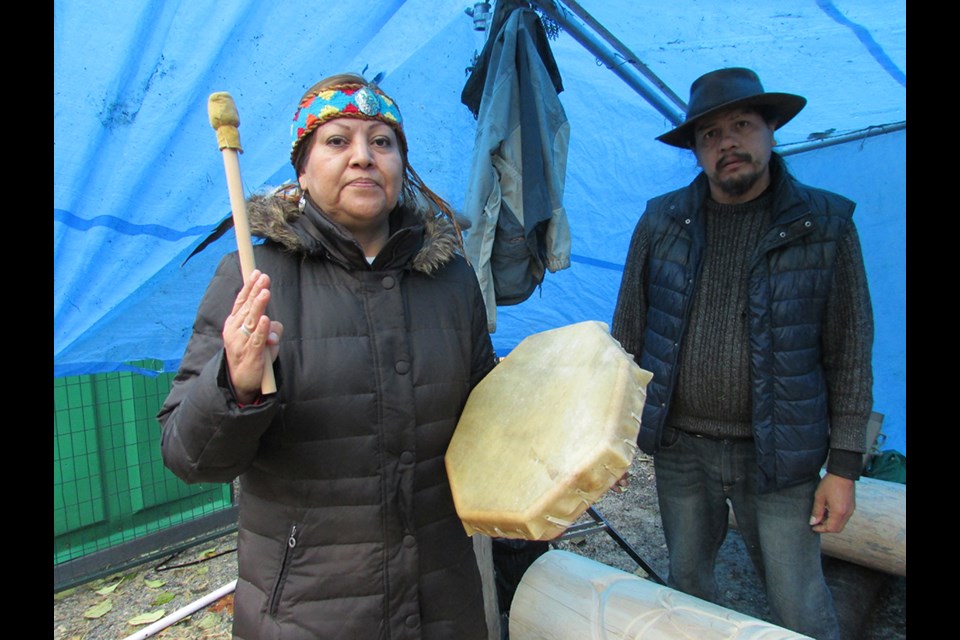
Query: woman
x,y
377,331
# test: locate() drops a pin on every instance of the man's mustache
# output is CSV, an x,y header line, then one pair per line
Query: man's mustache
x,y
733,157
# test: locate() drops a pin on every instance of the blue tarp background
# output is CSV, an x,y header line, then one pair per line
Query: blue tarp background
x,y
139,181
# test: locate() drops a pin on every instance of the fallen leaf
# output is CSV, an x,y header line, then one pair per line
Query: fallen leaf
x,y
147,618
114,577
208,621
154,584
208,552
200,587
98,610
64,594
107,590
162,598
223,604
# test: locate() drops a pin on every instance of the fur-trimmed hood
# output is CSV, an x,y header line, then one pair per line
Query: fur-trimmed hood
x,y
420,239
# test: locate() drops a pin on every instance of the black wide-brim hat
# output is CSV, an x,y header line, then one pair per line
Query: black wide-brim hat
x,y
727,88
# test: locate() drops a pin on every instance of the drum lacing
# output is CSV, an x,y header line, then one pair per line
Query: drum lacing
x,y
615,474
558,521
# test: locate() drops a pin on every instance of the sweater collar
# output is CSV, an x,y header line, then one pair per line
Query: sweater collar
x,y
787,202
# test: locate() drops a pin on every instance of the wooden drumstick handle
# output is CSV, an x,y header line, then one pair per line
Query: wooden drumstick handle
x,y
225,120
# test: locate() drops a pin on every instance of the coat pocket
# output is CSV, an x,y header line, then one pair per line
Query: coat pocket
x,y
276,594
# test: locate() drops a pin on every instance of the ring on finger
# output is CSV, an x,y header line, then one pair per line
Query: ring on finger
x,y
245,331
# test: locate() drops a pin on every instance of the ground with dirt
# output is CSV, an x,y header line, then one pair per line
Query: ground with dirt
x,y
870,602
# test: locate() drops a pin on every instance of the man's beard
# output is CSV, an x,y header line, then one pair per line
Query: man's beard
x,y
736,186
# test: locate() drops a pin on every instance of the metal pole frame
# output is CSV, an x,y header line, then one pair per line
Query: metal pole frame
x,y
628,72
638,76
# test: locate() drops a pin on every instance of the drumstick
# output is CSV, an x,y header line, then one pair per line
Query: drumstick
x,y
225,120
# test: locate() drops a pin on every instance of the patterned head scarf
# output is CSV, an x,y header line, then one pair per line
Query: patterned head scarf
x,y
366,101
349,100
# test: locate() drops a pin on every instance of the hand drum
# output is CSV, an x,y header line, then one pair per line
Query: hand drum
x,y
546,433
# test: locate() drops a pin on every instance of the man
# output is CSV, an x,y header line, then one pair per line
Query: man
x,y
745,294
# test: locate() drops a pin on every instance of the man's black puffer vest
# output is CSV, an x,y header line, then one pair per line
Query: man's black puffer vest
x,y
791,274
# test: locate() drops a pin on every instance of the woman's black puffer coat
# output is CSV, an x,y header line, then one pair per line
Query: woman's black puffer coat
x,y
347,526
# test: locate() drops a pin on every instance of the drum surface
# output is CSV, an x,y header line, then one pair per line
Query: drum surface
x,y
546,433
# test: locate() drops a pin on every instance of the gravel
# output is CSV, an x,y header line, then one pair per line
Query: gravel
x,y
872,605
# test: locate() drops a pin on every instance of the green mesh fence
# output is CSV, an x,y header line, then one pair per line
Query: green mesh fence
x,y
110,485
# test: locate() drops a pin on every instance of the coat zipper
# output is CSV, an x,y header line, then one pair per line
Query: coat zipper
x,y
284,568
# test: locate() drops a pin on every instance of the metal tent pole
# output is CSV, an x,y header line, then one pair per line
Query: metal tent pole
x,y
860,134
628,55
628,73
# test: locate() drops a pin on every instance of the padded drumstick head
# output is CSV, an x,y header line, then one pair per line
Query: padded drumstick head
x,y
225,120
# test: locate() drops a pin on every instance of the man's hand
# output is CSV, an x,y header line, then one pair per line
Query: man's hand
x,y
833,504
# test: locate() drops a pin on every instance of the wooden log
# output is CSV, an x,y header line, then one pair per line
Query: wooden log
x,y
564,596
876,534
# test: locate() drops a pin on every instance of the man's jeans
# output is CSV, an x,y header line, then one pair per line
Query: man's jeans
x,y
695,478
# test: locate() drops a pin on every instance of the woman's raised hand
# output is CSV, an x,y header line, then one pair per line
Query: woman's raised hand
x,y
247,332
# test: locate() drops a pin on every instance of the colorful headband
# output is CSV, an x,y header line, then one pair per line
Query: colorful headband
x,y
346,100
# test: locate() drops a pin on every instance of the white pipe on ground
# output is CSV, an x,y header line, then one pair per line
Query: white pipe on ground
x,y
183,612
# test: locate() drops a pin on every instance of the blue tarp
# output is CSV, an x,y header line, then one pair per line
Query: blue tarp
x,y
139,181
